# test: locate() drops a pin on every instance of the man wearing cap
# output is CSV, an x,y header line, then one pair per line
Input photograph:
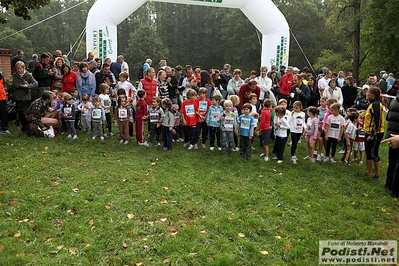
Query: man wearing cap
x,y
227,76
361,103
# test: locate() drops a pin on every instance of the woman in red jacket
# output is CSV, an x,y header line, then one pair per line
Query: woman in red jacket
x,y
68,79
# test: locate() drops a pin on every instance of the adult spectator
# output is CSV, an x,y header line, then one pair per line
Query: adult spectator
x,y
145,66
275,82
272,68
40,113
68,79
218,79
66,60
252,75
286,83
361,102
105,76
390,82
371,80
43,75
3,106
207,82
392,137
115,68
187,81
172,82
374,127
333,91
22,82
18,57
234,84
349,93
350,74
92,65
85,81
246,89
383,83
57,54
265,85
90,56
124,65
149,84
57,78
314,92
178,72
162,85
99,63
299,92
324,81
227,77
341,79
33,63
281,72
162,64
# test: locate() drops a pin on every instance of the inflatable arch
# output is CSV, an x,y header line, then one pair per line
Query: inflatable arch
x,y
105,15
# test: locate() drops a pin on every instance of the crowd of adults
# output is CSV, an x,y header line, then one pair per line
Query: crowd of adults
x,y
33,82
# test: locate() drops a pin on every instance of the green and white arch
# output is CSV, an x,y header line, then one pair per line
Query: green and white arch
x,y
105,15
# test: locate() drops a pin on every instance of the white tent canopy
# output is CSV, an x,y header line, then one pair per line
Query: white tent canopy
x,y
105,15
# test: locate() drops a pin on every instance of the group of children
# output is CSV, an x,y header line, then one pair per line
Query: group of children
x,y
219,121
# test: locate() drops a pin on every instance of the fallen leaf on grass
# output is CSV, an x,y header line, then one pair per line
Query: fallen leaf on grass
x,y
58,223
87,246
23,221
138,263
288,246
46,148
241,235
145,247
264,252
166,188
130,215
278,237
76,190
72,251
193,254
48,240
153,163
132,232
163,219
151,223
342,201
14,202
71,212
17,234
91,222
383,210
166,261
203,232
20,254
107,207
164,201
125,245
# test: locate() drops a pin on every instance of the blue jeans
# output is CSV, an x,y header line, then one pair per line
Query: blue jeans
x,y
226,137
167,137
279,144
212,132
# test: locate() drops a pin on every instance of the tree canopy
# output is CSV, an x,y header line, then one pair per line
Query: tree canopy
x,y
21,8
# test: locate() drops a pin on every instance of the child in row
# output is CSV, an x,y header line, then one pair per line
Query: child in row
x,y
287,116
68,111
76,102
85,118
168,122
265,128
324,112
228,127
203,104
106,105
333,131
97,118
281,126
312,131
124,84
141,117
297,128
155,115
350,135
236,105
177,123
189,117
122,117
213,120
358,144
246,130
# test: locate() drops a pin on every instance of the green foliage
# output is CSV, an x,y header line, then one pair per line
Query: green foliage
x,y
85,202
22,8
333,60
18,40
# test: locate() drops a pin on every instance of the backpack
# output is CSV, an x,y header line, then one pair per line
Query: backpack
x,y
140,74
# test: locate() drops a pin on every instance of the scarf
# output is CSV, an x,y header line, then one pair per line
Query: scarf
x,y
86,75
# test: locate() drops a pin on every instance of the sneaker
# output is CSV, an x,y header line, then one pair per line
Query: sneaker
x,y
318,157
121,141
180,140
354,160
186,144
102,138
93,138
360,163
252,148
75,137
289,144
236,149
341,152
159,144
203,146
191,147
126,142
5,131
165,149
266,158
211,148
299,141
326,159
195,146
293,160
219,149
105,135
262,155
312,160
376,177
307,158
280,161
315,153
274,158
332,160
111,134
69,136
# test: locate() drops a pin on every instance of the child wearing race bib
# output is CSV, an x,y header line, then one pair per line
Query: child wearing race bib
x,y
106,105
229,126
68,111
246,131
213,120
155,115
122,117
188,109
358,144
97,118
203,105
333,131
297,127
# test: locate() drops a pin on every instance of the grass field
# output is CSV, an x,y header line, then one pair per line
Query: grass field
x,y
85,202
